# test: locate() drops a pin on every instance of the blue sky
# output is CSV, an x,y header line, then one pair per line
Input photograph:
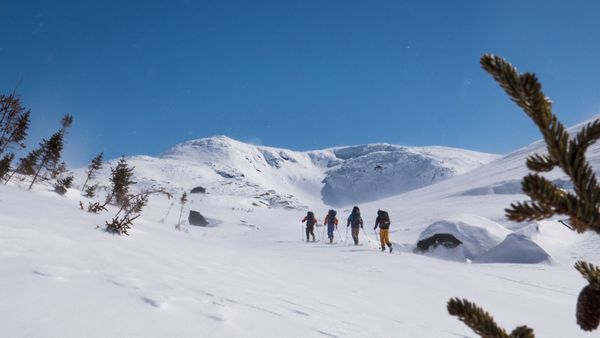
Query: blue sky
x,y
142,76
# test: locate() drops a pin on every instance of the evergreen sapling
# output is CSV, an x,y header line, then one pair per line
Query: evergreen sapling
x,y
96,164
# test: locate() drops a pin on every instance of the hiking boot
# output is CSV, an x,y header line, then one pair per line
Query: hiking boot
x,y
383,249
390,249
331,241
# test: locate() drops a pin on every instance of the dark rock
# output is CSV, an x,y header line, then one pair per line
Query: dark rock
x,y
196,218
446,240
198,190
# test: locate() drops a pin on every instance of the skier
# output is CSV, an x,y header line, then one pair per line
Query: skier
x,y
383,222
356,222
310,225
331,221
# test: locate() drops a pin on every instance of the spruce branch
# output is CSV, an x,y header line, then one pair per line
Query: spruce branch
x,y
582,207
481,322
528,211
590,272
541,163
522,332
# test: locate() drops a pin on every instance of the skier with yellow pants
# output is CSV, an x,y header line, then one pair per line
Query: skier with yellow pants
x,y
383,222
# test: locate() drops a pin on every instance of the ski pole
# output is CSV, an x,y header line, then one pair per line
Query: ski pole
x,y
338,231
368,239
323,234
346,238
301,232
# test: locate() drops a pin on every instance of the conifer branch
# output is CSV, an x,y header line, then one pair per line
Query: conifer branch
x,y
563,151
590,272
481,322
528,211
541,163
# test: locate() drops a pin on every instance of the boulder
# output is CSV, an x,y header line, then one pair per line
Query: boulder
x,y
446,240
196,218
198,190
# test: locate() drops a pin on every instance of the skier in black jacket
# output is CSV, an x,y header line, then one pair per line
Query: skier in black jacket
x,y
356,222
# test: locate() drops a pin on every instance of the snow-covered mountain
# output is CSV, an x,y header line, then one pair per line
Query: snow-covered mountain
x,y
270,177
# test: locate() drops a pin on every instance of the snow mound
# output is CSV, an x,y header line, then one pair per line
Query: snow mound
x,y
476,234
516,248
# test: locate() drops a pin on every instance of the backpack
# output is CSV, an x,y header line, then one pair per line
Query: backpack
x,y
356,220
384,218
331,217
310,218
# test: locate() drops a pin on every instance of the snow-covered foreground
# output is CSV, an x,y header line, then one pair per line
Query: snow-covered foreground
x,y
251,275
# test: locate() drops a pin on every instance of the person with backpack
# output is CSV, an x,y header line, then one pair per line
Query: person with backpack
x,y
332,222
383,222
310,220
356,222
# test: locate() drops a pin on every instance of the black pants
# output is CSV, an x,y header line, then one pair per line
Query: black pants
x,y
309,231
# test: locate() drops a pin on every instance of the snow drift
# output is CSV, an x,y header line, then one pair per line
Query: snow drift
x,y
476,234
515,248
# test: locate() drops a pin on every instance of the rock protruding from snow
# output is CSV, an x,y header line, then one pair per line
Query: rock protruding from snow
x,y
477,234
196,218
516,248
198,190
445,240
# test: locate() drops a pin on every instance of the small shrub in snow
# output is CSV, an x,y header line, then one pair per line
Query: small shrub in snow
x,y
96,164
120,178
90,191
62,184
96,207
5,165
130,210
120,226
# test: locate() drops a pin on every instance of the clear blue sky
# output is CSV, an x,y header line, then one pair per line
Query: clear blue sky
x,y
139,77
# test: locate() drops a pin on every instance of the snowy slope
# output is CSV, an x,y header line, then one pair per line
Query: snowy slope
x,y
251,276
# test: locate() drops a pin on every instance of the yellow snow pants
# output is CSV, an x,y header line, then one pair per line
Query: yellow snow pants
x,y
384,236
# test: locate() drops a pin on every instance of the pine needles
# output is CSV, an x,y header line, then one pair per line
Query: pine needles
x,y
547,199
564,151
481,322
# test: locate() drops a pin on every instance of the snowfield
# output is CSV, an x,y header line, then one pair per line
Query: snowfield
x,y
249,274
